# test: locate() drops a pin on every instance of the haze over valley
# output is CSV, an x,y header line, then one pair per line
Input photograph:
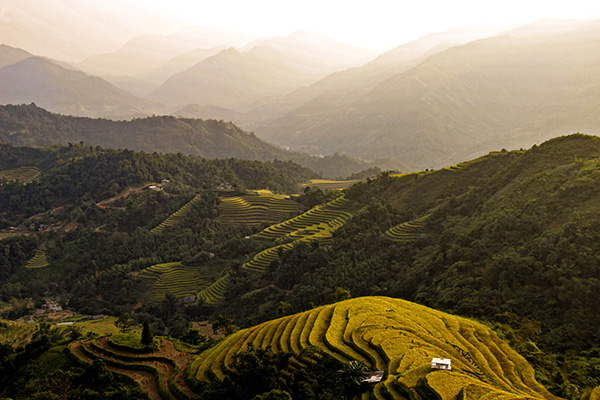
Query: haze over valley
x,y
439,99
277,200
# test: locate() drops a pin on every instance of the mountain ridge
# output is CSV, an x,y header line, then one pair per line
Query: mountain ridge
x,y
32,125
485,94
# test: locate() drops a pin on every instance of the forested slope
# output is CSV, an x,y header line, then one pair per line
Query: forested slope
x,y
512,237
29,125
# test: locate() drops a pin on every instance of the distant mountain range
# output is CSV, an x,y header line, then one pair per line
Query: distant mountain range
x,y
511,90
435,101
67,91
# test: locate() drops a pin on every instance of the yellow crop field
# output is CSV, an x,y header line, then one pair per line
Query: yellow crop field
x,y
213,294
39,260
256,209
398,337
179,279
407,231
177,216
325,184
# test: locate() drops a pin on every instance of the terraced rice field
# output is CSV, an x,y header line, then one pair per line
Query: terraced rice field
x,y
102,326
397,337
174,277
214,293
176,217
262,260
407,231
401,175
39,260
161,373
325,184
257,209
22,174
317,223
16,333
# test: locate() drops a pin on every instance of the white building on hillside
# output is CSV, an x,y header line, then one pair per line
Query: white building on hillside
x,y
441,363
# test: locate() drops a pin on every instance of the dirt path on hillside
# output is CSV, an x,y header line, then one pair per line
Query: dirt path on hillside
x,y
104,203
145,379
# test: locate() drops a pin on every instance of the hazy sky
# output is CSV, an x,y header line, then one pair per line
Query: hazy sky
x,y
72,30
377,24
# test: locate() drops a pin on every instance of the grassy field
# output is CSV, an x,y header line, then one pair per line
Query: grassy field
x,y
102,326
395,336
4,235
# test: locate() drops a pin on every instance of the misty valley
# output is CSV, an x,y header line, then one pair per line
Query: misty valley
x,y
207,215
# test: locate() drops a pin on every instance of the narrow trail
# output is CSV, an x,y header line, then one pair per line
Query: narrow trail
x,y
104,203
145,379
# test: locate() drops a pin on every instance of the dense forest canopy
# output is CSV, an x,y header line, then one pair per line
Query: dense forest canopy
x,y
511,238
29,125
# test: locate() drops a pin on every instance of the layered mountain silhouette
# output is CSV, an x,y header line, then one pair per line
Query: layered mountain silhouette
x,y
510,90
438,100
67,91
145,53
262,70
12,55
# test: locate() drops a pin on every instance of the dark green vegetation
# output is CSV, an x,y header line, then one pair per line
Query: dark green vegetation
x,y
511,238
96,235
44,368
29,125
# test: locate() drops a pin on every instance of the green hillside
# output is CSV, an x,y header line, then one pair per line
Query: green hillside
x,y
511,238
489,222
397,337
29,125
176,278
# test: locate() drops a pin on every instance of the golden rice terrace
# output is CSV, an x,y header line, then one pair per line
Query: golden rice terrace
x,y
397,337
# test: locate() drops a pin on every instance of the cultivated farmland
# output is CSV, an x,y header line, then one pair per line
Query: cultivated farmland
x,y
397,337
179,279
317,223
160,373
177,216
213,294
22,174
257,209
407,231
38,260
324,184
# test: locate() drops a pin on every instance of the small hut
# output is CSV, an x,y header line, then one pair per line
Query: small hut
x,y
441,363
372,377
